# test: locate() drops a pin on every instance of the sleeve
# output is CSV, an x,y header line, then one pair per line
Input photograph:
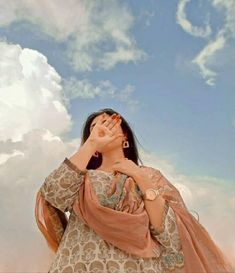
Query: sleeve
x,y
167,235
61,187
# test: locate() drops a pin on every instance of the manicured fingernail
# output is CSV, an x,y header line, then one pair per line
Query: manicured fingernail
x,y
114,116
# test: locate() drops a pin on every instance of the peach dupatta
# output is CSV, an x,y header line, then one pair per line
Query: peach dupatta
x,y
127,231
50,221
201,254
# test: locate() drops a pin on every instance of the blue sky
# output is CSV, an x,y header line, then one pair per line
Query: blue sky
x,y
166,66
191,121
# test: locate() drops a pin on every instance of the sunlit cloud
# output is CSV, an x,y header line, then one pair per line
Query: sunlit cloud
x,y
96,33
22,171
29,84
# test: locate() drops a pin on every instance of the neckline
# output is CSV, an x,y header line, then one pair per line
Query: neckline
x,y
103,171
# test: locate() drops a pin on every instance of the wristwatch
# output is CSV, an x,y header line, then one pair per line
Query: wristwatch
x,y
151,194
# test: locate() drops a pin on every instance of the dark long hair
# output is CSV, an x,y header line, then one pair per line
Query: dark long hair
x,y
131,152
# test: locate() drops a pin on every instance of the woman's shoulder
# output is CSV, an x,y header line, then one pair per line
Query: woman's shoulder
x,y
158,176
152,172
150,169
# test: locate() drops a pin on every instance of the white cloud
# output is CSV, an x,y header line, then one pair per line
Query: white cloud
x,y
204,56
27,163
122,54
183,21
208,55
58,19
31,103
97,33
228,7
84,89
29,85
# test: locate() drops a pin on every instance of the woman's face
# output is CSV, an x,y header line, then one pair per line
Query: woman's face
x,y
117,143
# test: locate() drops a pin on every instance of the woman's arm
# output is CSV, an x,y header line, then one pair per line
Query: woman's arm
x,y
144,182
169,235
60,188
83,155
163,224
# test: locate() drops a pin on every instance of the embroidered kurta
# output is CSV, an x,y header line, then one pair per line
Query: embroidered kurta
x,y
82,250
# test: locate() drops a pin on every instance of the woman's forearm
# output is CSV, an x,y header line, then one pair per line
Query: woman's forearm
x,y
155,208
83,155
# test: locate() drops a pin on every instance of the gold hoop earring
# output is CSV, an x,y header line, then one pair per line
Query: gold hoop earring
x,y
125,144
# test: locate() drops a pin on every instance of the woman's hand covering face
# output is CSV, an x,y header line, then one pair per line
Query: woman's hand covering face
x,y
105,131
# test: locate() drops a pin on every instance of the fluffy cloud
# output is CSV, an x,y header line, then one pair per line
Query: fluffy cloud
x,y
97,33
215,42
29,85
25,165
84,89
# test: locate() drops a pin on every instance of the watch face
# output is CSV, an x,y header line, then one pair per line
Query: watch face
x,y
150,194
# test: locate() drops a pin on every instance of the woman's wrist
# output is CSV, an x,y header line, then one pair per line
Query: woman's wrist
x,y
142,180
83,155
139,174
90,143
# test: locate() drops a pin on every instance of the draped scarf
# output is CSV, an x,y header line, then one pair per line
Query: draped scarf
x,y
129,231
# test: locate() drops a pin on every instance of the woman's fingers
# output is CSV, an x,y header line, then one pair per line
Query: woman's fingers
x,y
111,121
116,136
114,128
107,128
101,120
107,131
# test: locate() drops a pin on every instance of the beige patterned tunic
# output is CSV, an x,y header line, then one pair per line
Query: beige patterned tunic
x,y
82,250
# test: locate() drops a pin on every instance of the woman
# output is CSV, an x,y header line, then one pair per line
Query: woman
x,y
124,217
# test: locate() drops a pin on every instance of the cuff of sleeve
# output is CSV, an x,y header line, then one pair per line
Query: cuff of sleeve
x,y
73,166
